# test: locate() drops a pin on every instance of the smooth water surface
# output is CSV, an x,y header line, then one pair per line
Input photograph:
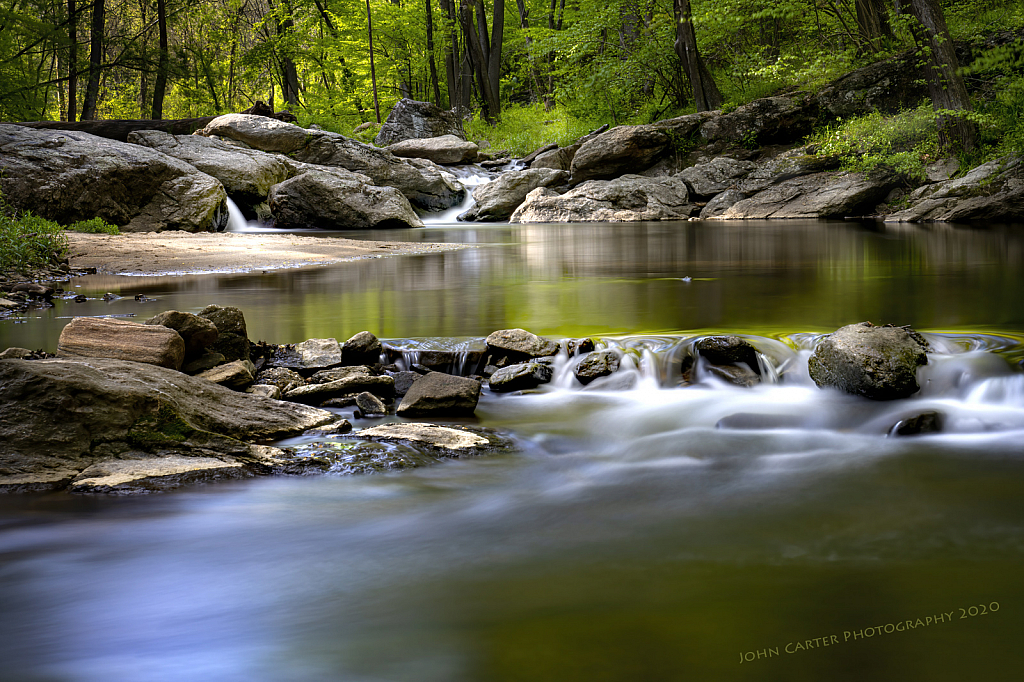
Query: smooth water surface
x,y
644,532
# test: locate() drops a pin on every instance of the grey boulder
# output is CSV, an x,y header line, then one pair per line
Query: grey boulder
x,y
875,362
629,198
498,199
121,340
436,394
444,150
329,201
410,119
520,377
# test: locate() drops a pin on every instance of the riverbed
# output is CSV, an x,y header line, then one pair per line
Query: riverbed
x,y
642,531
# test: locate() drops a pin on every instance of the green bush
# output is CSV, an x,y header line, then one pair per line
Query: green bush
x,y
28,241
522,129
93,226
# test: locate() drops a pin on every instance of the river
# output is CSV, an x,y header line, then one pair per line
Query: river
x,y
649,533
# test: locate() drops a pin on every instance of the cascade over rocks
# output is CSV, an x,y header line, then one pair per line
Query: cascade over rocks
x,y
875,362
410,119
445,150
247,174
423,184
60,416
498,199
328,201
69,176
625,199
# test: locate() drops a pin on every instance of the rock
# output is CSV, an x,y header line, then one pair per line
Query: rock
x,y
942,170
556,159
721,203
625,149
715,176
626,199
280,378
410,119
520,377
445,150
925,422
404,381
153,474
122,340
787,165
823,195
738,376
888,86
237,375
369,404
875,362
994,191
511,346
727,350
15,353
265,390
437,394
338,373
61,414
33,290
771,120
247,174
232,337
69,176
331,202
319,354
455,440
497,200
207,360
362,349
315,394
577,347
340,426
424,186
597,364
197,332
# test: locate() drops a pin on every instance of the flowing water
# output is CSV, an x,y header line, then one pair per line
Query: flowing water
x,y
643,531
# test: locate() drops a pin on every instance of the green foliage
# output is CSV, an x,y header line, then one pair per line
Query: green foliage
x,y
904,142
523,129
93,226
28,241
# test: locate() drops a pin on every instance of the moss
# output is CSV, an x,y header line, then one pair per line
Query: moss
x,y
163,426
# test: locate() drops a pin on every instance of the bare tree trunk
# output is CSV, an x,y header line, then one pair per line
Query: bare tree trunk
x,y
706,95
430,55
92,88
373,70
72,109
163,62
873,22
945,85
451,59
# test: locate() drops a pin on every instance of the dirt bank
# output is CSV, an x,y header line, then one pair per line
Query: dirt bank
x,y
186,253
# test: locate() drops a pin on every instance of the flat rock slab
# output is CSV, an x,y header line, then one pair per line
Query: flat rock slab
x,y
122,340
443,437
152,475
319,353
444,149
316,394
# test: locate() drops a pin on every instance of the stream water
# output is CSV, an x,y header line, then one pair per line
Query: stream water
x,y
643,532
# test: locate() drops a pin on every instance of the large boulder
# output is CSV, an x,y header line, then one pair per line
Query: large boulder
x,y
888,86
715,176
557,159
875,362
410,120
423,184
330,202
821,195
232,336
771,120
517,345
440,395
60,416
521,377
96,337
197,332
247,174
69,176
498,200
625,149
626,199
994,191
445,150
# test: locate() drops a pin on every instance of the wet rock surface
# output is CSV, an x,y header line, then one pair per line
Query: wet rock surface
x,y
122,340
520,377
875,362
332,202
510,346
629,198
440,395
595,365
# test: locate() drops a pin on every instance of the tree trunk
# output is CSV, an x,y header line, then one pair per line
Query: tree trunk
x,y
494,58
92,89
873,22
72,110
373,70
705,92
430,55
163,62
945,85
451,59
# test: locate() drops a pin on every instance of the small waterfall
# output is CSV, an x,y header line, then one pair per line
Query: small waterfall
x,y
471,177
236,221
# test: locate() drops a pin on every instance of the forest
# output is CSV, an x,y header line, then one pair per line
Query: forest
x,y
532,70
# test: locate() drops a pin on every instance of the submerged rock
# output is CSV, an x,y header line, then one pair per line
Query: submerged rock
x,y
435,394
68,176
875,362
925,422
121,340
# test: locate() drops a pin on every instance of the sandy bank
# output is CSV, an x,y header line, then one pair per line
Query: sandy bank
x,y
186,253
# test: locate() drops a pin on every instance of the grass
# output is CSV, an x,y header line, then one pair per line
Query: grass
x,y
29,242
522,129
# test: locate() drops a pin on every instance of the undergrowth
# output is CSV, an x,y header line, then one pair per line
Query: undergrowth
x,y
522,129
28,241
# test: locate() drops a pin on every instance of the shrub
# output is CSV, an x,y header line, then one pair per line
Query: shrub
x,y
28,241
522,129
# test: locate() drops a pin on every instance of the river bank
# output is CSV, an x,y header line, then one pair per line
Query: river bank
x,y
184,253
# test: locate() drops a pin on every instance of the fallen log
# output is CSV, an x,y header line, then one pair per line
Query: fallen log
x,y
118,129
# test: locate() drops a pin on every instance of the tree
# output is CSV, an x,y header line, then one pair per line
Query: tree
x,y
873,22
163,62
92,88
945,85
705,92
